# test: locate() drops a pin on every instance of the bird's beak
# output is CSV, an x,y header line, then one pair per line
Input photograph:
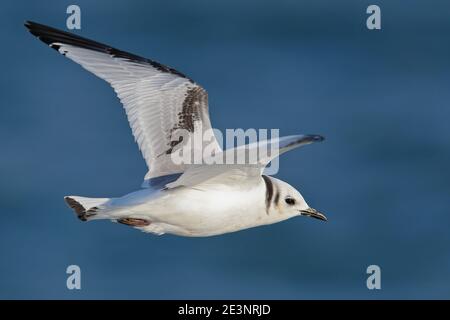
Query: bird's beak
x,y
313,213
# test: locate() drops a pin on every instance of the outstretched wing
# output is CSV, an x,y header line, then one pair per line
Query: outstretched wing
x,y
260,153
250,161
159,101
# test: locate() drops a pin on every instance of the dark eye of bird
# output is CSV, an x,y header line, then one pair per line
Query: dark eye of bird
x,y
290,201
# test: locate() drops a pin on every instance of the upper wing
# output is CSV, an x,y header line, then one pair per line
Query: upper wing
x,y
262,152
250,161
159,101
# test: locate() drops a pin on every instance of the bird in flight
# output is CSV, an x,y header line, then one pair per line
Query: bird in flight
x,y
195,200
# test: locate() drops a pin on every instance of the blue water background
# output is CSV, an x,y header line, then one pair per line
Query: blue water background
x,y
381,99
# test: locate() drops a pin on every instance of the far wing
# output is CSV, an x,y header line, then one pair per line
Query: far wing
x,y
262,152
244,172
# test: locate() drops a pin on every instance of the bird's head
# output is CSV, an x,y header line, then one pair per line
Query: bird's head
x,y
286,201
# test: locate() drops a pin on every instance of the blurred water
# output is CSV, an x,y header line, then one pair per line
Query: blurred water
x,y
380,98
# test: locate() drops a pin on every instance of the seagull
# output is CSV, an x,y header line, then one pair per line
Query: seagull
x,y
191,200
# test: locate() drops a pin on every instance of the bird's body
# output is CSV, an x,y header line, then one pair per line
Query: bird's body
x,y
206,210
166,111
194,211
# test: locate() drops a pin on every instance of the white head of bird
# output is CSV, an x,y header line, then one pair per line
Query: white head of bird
x,y
286,201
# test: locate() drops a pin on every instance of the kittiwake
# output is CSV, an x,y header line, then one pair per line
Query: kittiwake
x,y
178,198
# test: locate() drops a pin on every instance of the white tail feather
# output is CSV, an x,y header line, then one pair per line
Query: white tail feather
x,y
86,207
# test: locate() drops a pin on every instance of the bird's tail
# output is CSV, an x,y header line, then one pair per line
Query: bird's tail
x,y
86,208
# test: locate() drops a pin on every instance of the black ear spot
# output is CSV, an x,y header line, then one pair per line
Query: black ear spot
x,y
290,201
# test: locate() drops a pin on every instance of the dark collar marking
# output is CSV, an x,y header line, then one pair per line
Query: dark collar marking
x,y
277,198
269,191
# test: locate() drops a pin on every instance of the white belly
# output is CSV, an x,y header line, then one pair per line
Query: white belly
x,y
196,212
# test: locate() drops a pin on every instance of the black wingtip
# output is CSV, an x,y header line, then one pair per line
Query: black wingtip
x,y
53,37
45,33
40,31
35,25
317,138
30,25
311,138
